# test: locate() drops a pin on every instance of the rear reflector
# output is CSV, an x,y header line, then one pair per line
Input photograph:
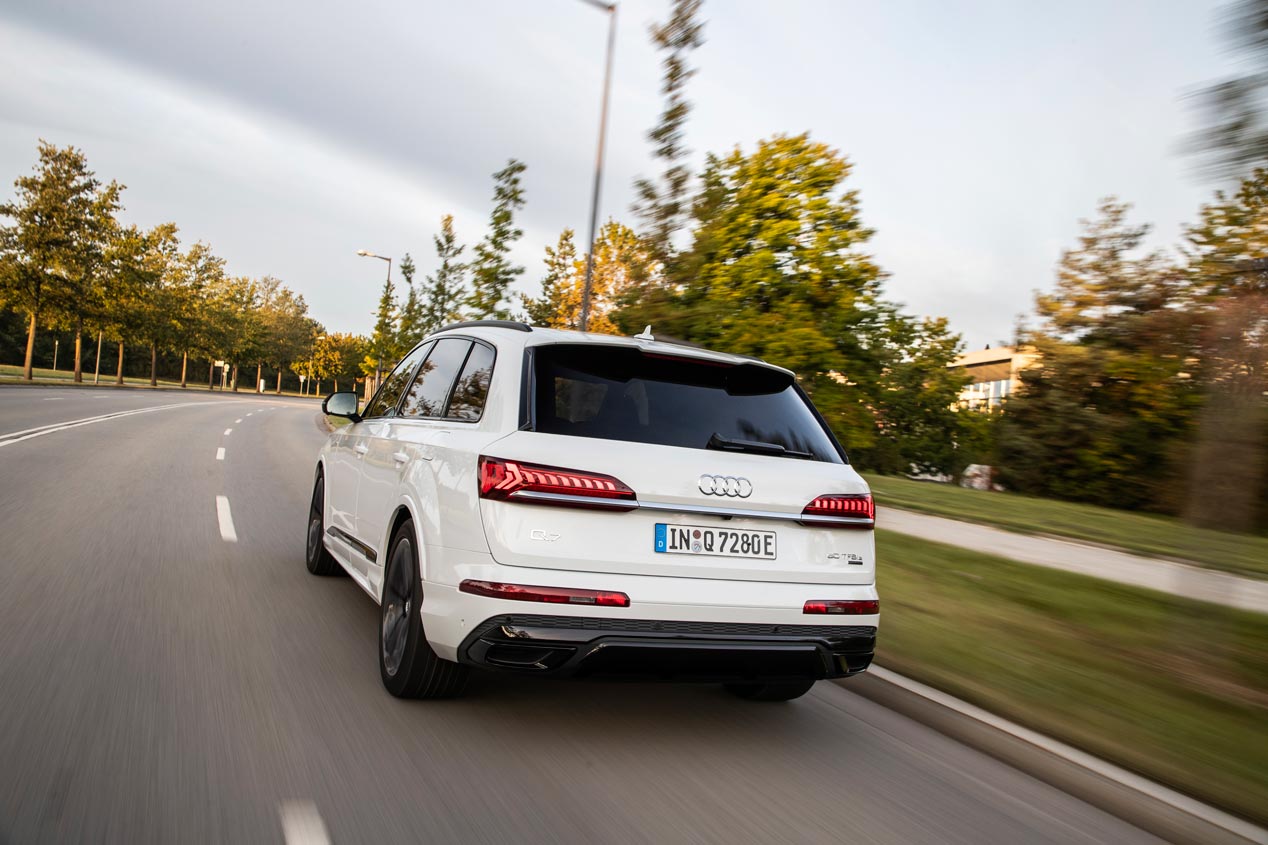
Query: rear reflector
x,y
854,607
515,481
841,510
550,595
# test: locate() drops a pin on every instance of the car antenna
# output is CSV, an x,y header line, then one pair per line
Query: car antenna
x,y
646,333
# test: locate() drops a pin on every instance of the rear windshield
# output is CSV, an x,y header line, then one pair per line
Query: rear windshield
x,y
621,393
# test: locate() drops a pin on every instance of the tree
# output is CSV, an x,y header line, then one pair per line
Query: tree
x,y
620,260
236,327
158,283
1227,252
918,428
384,338
561,275
492,271
342,355
661,206
410,327
446,289
1236,136
124,311
200,271
288,331
1106,414
775,270
54,249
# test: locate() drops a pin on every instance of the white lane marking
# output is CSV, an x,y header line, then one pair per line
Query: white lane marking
x,y
226,520
249,414
40,431
1109,771
54,398
238,420
228,431
220,453
302,824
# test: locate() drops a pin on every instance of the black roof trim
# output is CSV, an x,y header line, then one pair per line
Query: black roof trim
x,y
492,324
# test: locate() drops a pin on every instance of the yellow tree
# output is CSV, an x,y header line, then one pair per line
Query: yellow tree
x,y
621,259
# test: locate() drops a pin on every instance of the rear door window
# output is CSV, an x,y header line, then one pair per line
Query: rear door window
x,y
621,393
472,387
384,402
429,393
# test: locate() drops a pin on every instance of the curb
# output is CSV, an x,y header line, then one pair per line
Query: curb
x,y
1150,806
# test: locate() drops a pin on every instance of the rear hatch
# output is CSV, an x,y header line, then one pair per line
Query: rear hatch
x,y
647,463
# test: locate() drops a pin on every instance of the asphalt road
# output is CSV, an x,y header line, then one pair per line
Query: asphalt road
x,y
161,684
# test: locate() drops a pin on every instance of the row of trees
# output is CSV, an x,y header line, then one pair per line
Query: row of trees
x,y
1151,385
67,263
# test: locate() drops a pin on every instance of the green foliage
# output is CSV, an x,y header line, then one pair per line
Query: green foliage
x,y
621,262
1106,414
492,271
918,427
661,207
776,270
561,270
339,357
55,248
383,340
411,320
446,288
1235,137
1228,269
68,263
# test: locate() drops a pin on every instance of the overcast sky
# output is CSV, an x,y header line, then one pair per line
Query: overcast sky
x,y
290,134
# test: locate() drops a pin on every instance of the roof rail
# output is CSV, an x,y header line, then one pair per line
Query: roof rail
x,y
492,324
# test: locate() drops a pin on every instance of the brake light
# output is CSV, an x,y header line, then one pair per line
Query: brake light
x,y
550,595
514,481
853,607
841,510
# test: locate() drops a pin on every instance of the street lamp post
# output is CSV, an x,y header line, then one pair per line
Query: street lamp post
x,y
378,357
610,8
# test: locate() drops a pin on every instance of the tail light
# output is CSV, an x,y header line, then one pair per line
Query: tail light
x,y
516,482
841,510
853,607
550,595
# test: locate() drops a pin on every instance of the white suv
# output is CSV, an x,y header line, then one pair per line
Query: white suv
x,y
557,503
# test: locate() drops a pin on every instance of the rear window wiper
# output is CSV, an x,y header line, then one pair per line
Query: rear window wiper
x,y
756,447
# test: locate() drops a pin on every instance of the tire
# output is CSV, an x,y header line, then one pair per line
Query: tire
x,y
770,692
407,664
319,560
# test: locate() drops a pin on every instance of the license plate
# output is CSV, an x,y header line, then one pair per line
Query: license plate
x,y
719,542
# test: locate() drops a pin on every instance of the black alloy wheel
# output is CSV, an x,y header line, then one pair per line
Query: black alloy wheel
x,y
319,560
408,666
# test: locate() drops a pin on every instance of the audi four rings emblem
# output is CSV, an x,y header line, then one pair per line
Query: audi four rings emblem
x,y
725,485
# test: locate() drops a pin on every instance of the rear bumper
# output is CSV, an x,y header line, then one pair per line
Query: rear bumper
x,y
586,646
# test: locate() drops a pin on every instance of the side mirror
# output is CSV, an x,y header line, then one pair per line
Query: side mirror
x,y
341,404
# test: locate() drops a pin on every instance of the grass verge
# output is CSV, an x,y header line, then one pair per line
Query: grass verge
x,y
1174,689
43,375
1157,536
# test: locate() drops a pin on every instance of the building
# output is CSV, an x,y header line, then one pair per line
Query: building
x,y
995,373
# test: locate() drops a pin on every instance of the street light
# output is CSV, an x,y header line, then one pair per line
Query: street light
x,y
378,366
610,8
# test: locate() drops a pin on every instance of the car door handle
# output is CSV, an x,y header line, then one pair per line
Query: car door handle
x,y
360,448
400,457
